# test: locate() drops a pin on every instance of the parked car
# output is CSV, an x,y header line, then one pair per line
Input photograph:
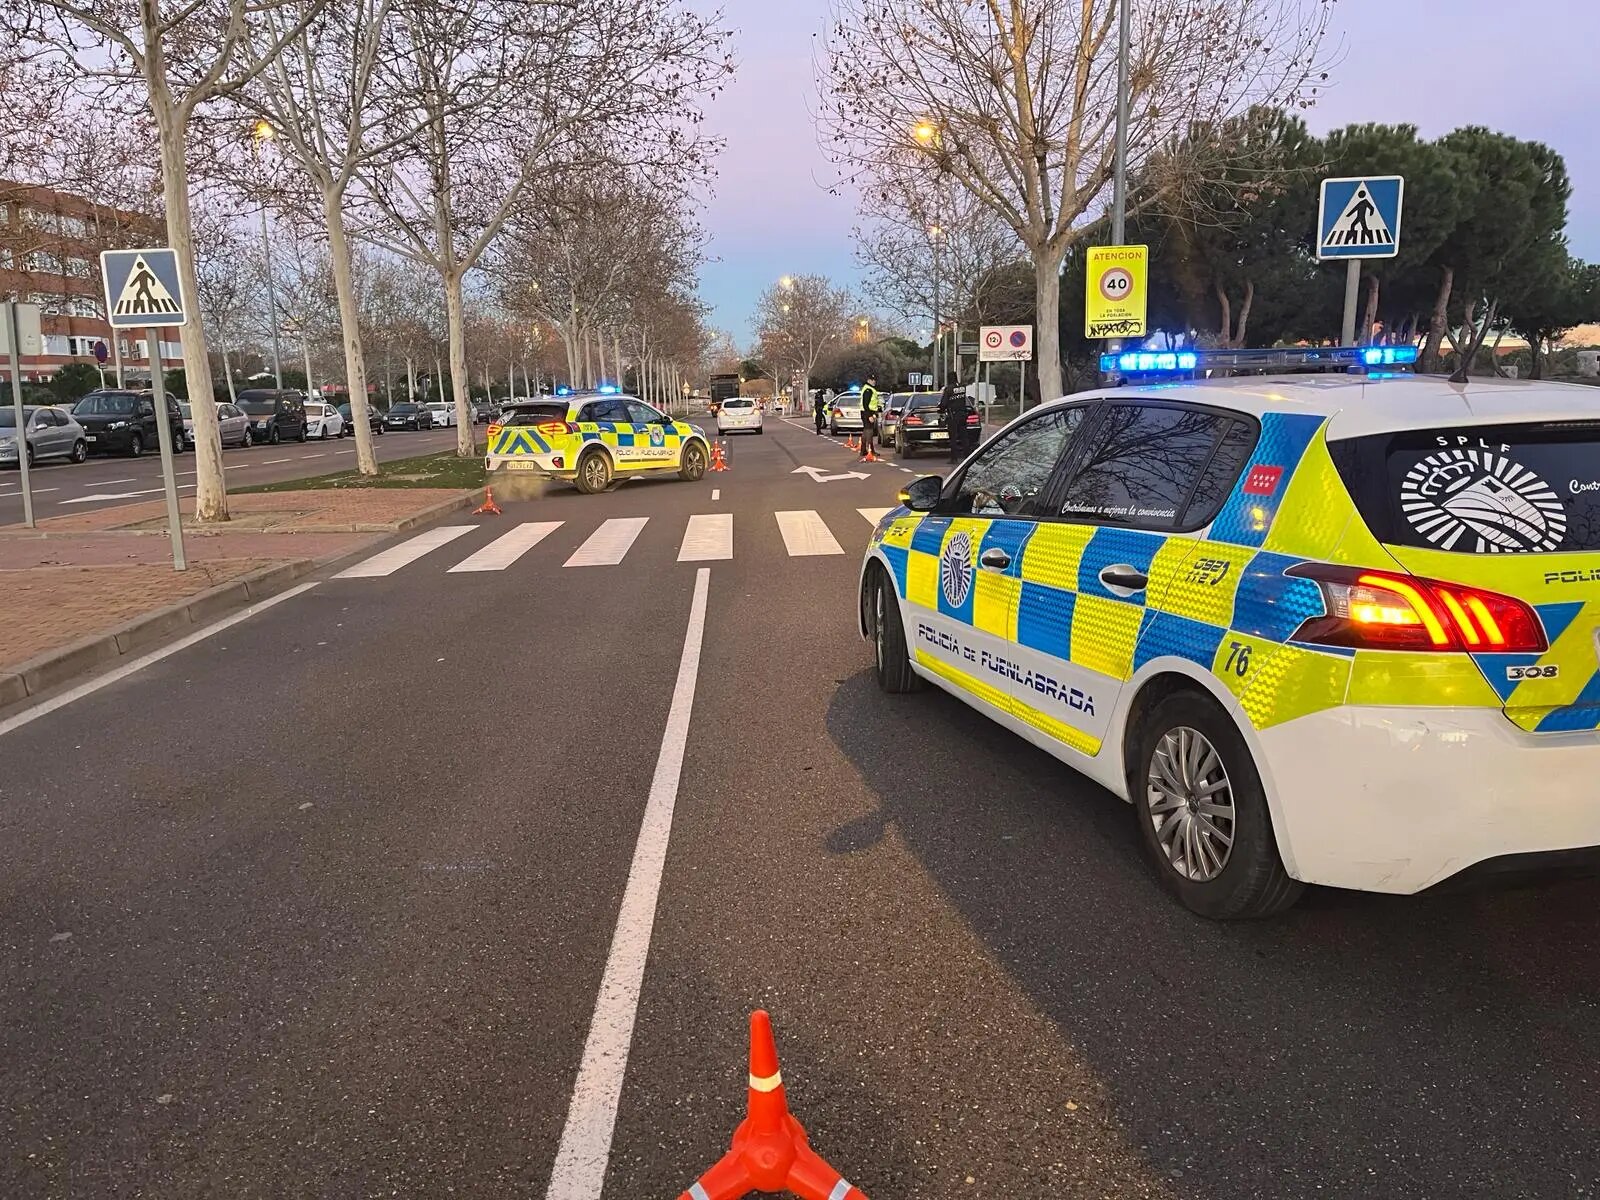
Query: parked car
x,y
482,414
232,424
323,420
844,412
51,433
122,421
274,416
408,416
374,419
444,415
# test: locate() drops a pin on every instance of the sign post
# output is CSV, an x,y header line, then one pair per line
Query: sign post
x,y
21,329
1009,343
1116,297
1359,218
144,289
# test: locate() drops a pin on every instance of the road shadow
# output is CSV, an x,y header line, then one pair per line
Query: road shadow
x,y
1433,1046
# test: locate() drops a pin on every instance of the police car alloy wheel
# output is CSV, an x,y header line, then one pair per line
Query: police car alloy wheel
x,y
594,472
891,662
1203,813
694,462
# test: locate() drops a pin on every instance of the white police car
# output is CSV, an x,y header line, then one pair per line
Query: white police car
x,y
1319,629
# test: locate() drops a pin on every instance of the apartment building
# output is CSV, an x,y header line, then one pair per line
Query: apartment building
x,y
50,244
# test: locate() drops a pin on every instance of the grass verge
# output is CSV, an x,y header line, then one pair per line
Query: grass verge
x,y
425,471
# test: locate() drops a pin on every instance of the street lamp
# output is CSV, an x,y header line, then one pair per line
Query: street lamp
x,y
260,133
787,283
926,132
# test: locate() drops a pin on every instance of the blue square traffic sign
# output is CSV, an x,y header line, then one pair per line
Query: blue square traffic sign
x,y
1360,218
143,288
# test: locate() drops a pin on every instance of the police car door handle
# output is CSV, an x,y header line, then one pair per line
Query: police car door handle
x,y
994,559
1123,578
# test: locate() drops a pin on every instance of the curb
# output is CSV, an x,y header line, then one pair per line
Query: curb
x,y
55,667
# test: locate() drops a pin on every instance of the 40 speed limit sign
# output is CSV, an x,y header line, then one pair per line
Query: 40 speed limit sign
x,y
1117,292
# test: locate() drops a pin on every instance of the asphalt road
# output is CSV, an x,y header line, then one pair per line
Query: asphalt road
x,y
321,905
107,481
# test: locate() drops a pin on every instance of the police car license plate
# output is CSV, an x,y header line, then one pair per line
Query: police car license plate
x,y
89,437
516,465
939,437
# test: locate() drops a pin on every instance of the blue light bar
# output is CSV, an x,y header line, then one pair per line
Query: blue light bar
x,y
563,391
606,389
1151,362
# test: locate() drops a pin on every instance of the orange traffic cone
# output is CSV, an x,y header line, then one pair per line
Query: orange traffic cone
x,y
869,456
719,457
770,1150
488,505
850,443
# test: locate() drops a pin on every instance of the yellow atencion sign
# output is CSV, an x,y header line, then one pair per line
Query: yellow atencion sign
x,y
1117,294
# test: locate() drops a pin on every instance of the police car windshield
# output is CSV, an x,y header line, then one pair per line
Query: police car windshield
x,y
1490,489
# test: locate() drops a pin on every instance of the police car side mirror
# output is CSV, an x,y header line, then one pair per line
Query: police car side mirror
x,y
922,495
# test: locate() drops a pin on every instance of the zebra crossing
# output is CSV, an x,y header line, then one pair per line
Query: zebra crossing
x,y
705,537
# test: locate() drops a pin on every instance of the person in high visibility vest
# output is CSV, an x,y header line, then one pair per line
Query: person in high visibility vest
x,y
869,415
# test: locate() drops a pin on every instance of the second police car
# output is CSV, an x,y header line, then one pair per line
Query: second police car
x,y
1317,628
593,438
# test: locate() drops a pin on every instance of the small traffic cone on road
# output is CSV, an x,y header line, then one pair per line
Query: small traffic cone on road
x,y
719,457
488,505
850,443
771,1152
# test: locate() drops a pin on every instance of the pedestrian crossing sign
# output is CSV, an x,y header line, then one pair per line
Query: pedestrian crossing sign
x,y
143,288
1360,218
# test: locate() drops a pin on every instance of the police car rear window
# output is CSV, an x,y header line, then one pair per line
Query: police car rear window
x,y
1487,489
537,414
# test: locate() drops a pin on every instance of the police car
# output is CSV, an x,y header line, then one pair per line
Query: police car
x,y
1331,629
594,438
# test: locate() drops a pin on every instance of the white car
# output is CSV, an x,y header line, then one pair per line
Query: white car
x,y
844,412
739,414
1324,629
323,420
444,415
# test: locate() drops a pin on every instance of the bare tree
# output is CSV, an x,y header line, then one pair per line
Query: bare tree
x,y
228,282
1014,102
491,89
799,320
178,57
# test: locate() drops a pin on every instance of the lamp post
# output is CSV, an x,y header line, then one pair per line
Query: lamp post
x,y
264,132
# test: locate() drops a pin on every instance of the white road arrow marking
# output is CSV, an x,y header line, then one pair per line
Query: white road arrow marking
x,y
821,476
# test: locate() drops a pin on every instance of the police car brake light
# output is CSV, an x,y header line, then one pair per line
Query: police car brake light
x,y
554,427
1376,610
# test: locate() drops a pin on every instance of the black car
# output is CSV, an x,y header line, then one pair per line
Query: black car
x,y
274,416
921,427
374,420
408,416
119,421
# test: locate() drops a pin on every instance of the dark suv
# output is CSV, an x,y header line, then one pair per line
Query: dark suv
x,y
118,421
274,416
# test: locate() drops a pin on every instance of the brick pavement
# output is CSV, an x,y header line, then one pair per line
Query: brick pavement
x,y
89,573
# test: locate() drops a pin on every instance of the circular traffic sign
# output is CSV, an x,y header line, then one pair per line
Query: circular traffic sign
x,y
1116,283
992,339
1019,339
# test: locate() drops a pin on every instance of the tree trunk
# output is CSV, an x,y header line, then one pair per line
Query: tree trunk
x,y
588,359
460,382
305,354
1224,326
1439,322
355,366
616,356
211,489
411,378
1047,323
1369,315
227,371
1243,325
1535,358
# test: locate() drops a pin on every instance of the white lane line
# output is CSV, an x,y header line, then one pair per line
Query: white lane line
x,y
908,470
874,515
805,534
585,1148
269,462
716,493
308,457
608,545
139,664
387,562
507,548
31,491
107,482
708,538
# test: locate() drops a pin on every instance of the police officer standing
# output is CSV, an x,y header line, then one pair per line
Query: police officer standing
x,y
869,416
953,409
819,409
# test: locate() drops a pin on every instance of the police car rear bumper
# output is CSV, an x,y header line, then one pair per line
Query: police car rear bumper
x,y
1399,799
527,464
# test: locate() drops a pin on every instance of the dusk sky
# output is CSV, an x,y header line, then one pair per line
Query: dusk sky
x,y
1436,65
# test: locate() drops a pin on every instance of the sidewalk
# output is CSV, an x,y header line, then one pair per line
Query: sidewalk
x,y
82,589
